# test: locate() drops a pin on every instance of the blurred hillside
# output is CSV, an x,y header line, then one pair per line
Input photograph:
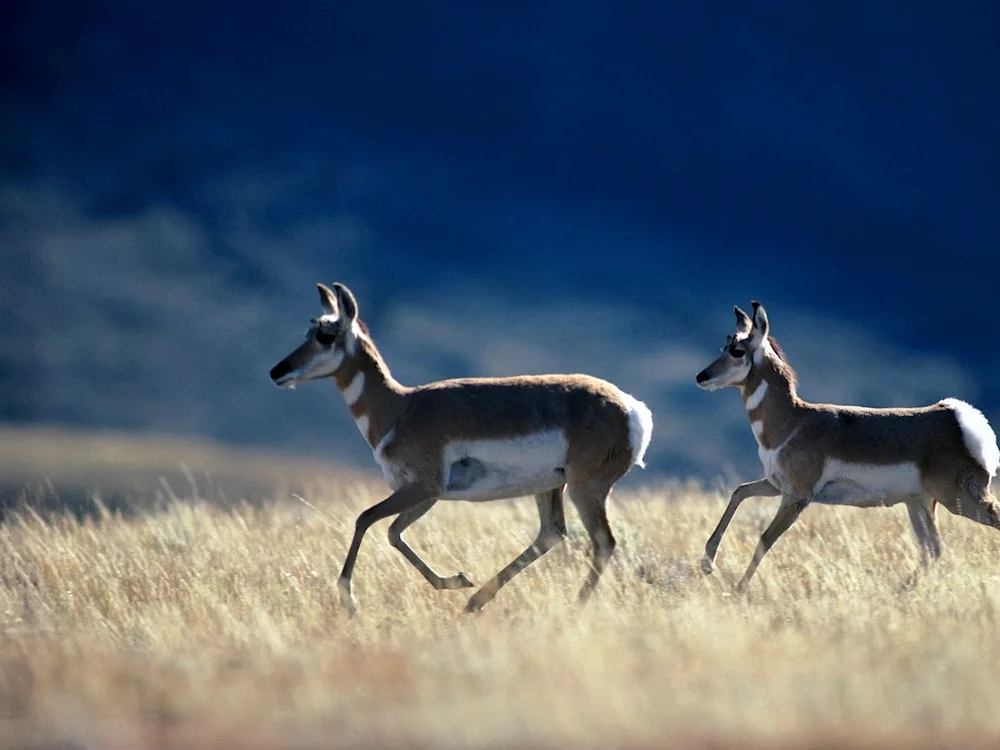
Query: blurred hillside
x,y
545,187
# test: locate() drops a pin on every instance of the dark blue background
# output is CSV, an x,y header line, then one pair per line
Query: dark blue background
x,y
839,163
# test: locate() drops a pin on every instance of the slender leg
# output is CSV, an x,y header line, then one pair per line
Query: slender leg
x,y
403,499
922,515
551,531
396,529
760,488
591,504
791,508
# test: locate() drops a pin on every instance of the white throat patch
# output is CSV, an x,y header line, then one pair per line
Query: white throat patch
x,y
354,389
757,396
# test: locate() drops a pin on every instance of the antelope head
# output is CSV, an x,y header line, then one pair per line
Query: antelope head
x,y
742,350
330,339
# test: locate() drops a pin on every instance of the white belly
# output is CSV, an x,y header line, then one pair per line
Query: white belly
x,y
889,480
480,470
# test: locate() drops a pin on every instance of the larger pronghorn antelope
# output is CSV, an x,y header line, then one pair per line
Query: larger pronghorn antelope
x,y
849,455
475,439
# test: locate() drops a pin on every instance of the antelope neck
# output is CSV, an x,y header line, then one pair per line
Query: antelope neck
x,y
372,394
771,402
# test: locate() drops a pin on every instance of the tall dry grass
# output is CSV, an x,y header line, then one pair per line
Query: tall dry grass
x,y
202,626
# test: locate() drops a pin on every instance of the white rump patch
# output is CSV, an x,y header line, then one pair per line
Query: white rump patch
x,y
757,396
482,470
640,427
354,389
888,480
979,438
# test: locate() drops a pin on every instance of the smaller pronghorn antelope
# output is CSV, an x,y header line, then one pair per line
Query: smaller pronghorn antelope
x,y
850,455
475,439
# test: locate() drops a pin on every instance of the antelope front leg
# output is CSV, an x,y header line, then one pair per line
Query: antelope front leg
x,y
396,529
399,501
760,488
791,508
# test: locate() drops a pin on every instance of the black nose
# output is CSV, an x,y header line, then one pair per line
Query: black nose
x,y
280,369
702,376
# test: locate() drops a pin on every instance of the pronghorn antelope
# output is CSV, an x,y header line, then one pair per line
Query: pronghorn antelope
x,y
849,455
475,439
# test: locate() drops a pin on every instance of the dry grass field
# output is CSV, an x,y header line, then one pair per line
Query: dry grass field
x,y
207,624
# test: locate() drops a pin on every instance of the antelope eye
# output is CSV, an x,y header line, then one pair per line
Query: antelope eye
x,y
737,353
325,337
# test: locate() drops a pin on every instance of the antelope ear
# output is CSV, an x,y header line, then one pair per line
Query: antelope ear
x,y
348,304
327,300
760,324
743,322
